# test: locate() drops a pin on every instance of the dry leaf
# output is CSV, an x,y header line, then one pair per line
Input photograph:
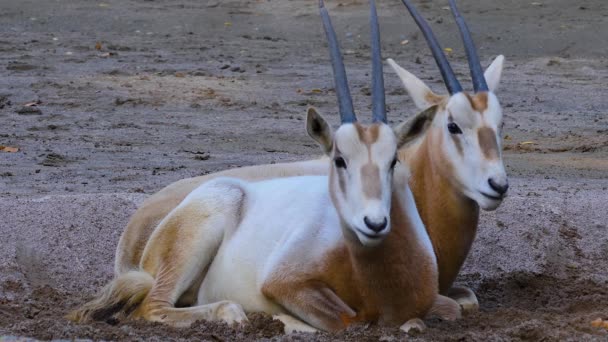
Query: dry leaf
x,y
316,91
597,323
448,50
507,137
527,143
98,46
180,74
9,149
227,24
536,4
404,42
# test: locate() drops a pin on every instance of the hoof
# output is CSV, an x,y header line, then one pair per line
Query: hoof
x,y
413,326
231,313
465,298
468,305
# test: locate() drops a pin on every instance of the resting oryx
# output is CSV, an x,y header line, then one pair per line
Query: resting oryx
x,y
456,168
326,250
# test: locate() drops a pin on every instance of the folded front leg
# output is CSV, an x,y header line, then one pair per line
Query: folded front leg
x,y
181,249
313,302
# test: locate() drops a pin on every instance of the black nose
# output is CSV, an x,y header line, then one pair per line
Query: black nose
x,y
500,188
375,226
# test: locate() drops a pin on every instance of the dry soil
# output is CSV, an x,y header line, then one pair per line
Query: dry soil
x,y
109,101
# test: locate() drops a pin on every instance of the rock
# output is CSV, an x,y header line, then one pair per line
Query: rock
x,y
29,110
18,66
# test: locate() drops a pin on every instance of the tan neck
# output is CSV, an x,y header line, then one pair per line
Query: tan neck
x,y
450,217
390,283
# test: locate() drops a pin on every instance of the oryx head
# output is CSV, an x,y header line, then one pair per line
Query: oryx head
x,y
363,156
466,128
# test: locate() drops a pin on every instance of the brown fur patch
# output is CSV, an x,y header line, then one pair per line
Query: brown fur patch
x,y
479,101
487,142
310,296
370,176
388,285
433,98
452,233
368,134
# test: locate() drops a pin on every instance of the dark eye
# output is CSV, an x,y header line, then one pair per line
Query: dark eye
x,y
340,163
393,163
453,128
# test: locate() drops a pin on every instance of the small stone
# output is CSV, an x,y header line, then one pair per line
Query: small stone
x,y
29,110
18,66
203,156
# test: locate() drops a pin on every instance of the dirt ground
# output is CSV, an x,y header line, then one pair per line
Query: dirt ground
x,y
109,101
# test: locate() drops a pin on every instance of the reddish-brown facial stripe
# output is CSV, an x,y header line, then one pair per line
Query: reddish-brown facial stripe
x,y
370,174
479,102
368,135
487,142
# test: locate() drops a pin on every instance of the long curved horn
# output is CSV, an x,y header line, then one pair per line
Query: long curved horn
x,y
479,81
378,100
442,62
345,102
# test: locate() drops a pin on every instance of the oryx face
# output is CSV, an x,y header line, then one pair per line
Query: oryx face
x,y
363,160
472,145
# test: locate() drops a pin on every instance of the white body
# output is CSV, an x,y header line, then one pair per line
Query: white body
x,y
307,228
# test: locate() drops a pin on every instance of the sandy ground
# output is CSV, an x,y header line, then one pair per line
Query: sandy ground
x,y
183,88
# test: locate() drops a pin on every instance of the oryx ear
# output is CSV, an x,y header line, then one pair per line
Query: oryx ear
x,y
422,95
415,127
493,73
319,130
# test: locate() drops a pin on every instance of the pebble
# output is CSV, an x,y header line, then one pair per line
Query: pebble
x,y
29,110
